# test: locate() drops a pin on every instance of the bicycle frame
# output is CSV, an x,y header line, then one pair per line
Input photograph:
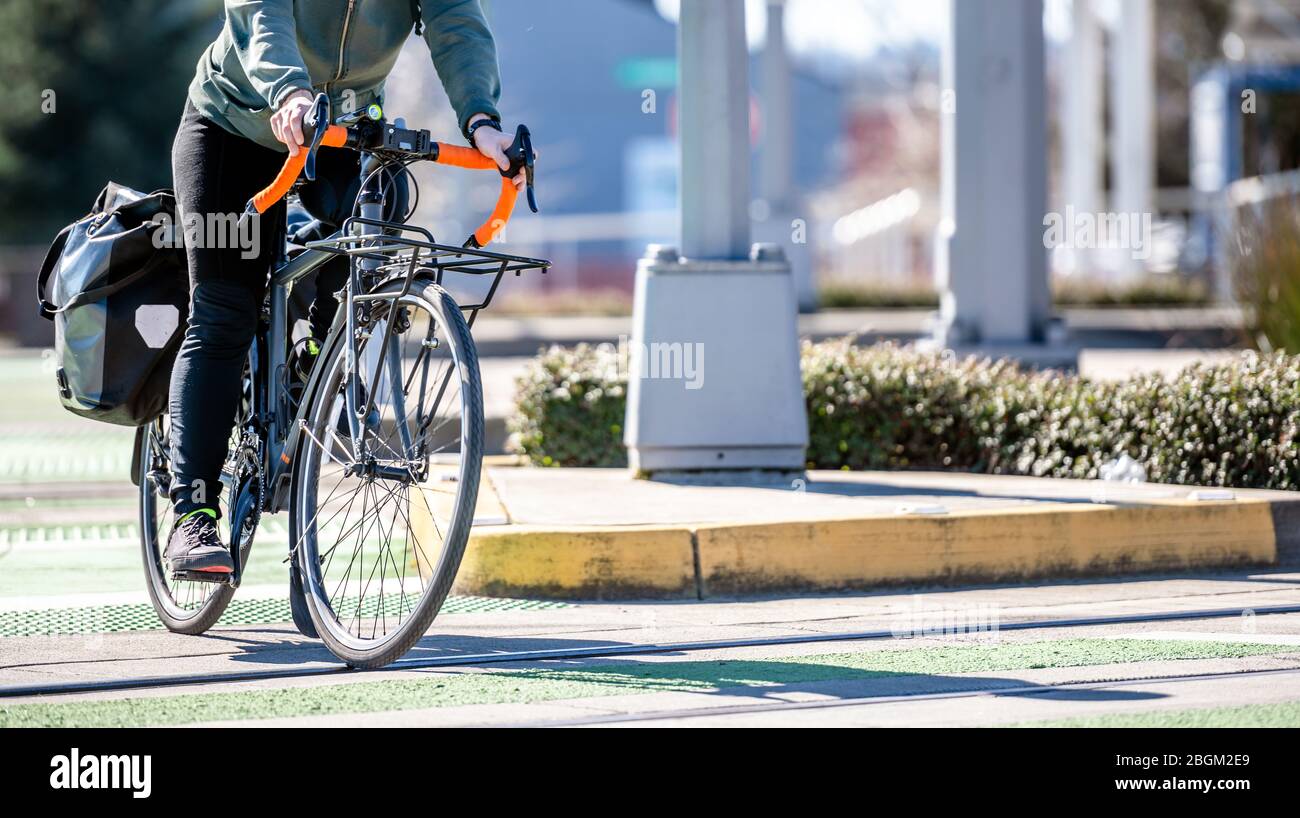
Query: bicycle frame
x,y
373,247
272,400
269,359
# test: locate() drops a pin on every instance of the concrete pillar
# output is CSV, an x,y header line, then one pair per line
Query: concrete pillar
x,y
1133,84
777,151
1215,143
992,263
783,211
713,380
1083,122
713,102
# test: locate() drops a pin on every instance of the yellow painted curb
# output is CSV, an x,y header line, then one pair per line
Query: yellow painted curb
x,y
1060,539
984,545
579,563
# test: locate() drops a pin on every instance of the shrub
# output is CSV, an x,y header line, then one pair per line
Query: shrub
x,y
1235,425
890,407
569,407
858,295
1149,291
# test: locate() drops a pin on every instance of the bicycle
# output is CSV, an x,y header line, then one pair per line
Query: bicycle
x,y
355,422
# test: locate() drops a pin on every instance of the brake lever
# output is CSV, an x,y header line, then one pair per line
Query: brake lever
x,y
318,119
520,154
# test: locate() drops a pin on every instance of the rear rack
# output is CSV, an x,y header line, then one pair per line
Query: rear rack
x,y
398,253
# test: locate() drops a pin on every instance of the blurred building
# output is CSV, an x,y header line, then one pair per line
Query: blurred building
x,y
1245,128
877,223
1162,106
595,80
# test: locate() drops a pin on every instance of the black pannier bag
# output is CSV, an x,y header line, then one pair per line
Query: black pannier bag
x,y
118,295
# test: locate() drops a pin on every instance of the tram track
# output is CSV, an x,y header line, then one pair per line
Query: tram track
x,y
12,691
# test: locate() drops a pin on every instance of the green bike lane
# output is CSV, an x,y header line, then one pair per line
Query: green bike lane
x,y
1032,669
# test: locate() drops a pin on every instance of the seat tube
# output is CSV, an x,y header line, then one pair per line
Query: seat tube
x,y
277,356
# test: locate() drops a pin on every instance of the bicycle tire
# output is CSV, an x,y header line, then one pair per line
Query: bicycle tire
x,y
173,613
440,305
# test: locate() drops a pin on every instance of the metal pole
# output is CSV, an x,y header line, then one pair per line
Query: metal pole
x,y
1082,121
993,263
778,129
1133,84
713,97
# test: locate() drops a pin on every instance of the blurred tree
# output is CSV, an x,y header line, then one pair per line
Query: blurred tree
x,y
94,93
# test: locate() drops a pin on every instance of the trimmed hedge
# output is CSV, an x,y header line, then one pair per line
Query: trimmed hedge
x,y
569,407
890,407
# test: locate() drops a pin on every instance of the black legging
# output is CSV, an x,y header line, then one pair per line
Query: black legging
x,y
216,172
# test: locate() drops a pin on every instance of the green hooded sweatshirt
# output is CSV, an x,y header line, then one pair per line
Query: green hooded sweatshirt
x,y
268,49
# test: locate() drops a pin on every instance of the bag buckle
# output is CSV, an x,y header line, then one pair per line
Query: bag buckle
x,y
65,391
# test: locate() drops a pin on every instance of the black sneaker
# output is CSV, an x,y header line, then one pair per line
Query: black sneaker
x,y
196,547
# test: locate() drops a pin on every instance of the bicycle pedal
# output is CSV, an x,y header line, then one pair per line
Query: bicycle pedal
x,y
214,577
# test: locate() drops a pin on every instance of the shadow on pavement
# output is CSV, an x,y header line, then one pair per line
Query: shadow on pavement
x,y
779,680
296,649
864,489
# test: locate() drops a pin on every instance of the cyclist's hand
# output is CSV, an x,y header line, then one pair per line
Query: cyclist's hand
x,y
286,122
492,144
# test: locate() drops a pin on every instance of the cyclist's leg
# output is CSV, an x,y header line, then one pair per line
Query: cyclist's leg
x,y
215,172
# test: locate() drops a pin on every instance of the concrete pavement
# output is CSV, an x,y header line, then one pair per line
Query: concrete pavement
x,y
579,533
935,674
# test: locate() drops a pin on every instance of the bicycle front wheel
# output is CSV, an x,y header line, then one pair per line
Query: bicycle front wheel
x,y
379,524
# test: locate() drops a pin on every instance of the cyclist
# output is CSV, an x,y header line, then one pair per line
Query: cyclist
x,y
245,109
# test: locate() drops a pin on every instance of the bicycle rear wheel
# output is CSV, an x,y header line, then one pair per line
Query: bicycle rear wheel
x,y
183,606
378,533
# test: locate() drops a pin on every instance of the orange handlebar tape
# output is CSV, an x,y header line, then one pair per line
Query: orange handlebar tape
x,y
463,157
336,136
500,214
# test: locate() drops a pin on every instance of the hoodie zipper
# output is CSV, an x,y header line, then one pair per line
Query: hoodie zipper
x,y
343,40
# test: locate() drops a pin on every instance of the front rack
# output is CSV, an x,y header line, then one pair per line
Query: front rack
x,y
397,252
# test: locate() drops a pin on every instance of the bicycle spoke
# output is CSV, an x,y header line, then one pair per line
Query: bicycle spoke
x,y
372,564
